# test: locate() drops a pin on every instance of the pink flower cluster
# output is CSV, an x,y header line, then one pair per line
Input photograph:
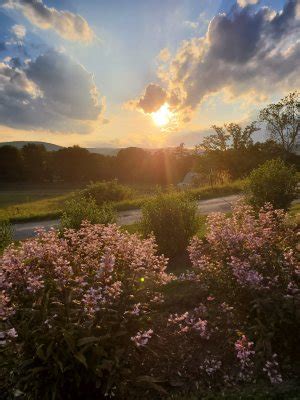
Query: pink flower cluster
x,y
272,370
211,366
141,339
92,268
190,321
255,251
244,353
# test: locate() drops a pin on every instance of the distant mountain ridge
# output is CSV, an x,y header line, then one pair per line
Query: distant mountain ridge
x,y
20,143
107,151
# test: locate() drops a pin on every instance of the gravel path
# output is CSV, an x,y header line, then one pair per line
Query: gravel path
x,y
222,204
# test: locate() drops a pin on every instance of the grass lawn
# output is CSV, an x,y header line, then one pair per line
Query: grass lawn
x,y
34,202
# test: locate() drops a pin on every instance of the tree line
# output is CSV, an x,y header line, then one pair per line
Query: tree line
x,y
229,152
33,163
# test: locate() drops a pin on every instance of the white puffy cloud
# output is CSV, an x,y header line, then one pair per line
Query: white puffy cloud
x,y
68,25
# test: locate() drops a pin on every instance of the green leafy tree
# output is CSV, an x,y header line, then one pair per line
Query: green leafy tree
x,y
218,141
241,138
282,120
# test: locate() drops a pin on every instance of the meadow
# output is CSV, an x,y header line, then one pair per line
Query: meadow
x,y
42,202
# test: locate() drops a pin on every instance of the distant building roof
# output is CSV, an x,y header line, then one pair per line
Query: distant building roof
x,y
189,179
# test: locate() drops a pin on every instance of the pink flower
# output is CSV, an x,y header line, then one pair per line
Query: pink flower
x,y
141,339
271,368
244,354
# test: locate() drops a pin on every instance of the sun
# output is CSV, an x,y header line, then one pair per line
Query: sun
x,y
162,116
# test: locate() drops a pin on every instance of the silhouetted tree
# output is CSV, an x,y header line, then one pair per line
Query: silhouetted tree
x,y
11,164
35,159
282,120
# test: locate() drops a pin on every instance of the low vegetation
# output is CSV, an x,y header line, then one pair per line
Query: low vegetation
x,y
172,219
86,209
273,182
94,311
5,234
52,206
111,191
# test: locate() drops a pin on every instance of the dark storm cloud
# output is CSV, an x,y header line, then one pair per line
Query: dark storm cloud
x,y
53,92
247,50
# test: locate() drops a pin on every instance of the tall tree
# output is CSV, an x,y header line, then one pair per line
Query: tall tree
x,y
241,138
35,162
218,141
282,120
11,164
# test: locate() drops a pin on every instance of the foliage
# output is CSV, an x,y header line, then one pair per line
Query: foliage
x,y
240,138
51,206
74,164
238,163
103,192
273,182
282,120
85,209
5,234
250,262
74,312
172,219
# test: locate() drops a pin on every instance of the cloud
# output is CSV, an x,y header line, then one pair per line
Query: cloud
x,y
152,99
243,52
245,3
68,25
191,24
164,55
52,92
19,31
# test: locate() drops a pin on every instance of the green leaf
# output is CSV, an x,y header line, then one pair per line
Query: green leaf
x,y
88,340
81,358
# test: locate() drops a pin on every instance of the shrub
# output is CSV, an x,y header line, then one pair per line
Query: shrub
x,y
5,234
85,209
250,262
75,311
273,182
172,219
108,191
232,319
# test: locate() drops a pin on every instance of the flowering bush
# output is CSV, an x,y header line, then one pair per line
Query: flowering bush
x,y
75,311
251,262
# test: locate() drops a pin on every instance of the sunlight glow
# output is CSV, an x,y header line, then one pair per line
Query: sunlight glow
x,y
162,116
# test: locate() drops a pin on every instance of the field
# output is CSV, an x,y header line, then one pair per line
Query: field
x,y
33,202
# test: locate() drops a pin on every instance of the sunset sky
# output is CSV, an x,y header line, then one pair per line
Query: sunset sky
x,y
150,73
